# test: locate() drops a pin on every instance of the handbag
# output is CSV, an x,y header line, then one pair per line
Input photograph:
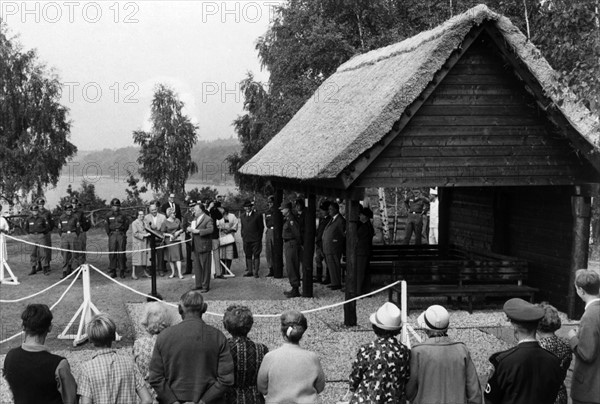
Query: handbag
x,y
227,239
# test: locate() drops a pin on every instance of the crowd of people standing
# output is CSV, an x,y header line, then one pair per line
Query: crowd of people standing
x,y
191,361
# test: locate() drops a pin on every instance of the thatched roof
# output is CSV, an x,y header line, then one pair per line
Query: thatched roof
x,y
358,105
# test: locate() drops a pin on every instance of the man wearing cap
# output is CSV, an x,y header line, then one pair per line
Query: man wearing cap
x,y
417,206
68,229
84,226
116,229
45,213
252,230
201,229
268,218
154,221
441,370
364,244
334,241
527,373
434,216
173,205
585,342
291,240
37,227
324,219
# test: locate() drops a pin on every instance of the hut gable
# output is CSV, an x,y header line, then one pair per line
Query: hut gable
x,y
348,121
479,126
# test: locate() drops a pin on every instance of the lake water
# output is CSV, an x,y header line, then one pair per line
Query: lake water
x,y
110,187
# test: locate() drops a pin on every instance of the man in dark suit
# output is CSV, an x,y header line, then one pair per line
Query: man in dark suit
x,y
252,230
171,204
585,342
201,230
334,242
154,221
527,373
191,361
319,254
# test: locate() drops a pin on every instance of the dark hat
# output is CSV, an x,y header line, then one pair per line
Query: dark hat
x,y
324,205
40,201
35,207
192,203
115,202
68,205
285,205
367,212
521,311
248,203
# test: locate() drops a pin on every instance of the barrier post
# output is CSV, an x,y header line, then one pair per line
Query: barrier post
x,y
153,291
87,310
404,316
11,279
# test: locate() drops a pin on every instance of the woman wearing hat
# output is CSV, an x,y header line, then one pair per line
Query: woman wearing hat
x,y
381,368
364,243
291,374
441,370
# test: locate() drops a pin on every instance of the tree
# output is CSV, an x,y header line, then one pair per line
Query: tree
x,y
34,126
165,152
202,194
133,192
86,195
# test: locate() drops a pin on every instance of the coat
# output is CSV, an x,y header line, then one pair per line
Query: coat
x,y
441,371
334,236
139,242
585,385
252,227
202,241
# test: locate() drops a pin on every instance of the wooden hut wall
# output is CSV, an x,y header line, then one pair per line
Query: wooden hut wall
x,y
538,226
479,127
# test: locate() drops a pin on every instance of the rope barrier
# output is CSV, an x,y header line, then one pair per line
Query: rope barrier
x,y
78,272
94,252
42,291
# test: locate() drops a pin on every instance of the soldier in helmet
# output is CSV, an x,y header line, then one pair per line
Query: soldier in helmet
x,y
85,224
45,213
116,229
37,226
68,228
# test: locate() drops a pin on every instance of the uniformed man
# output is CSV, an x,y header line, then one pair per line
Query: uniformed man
x,y
417,206
116,229
269,237
527,373
85,224
47,236
291,242
37,227
68,229
324,219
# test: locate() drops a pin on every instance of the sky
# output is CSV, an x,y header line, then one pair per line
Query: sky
x,y
109,56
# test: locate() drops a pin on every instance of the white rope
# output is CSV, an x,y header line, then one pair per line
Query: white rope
x,y
42,291
95,252
78,272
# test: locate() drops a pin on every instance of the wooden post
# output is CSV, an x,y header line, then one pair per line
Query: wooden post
x,y
310,231
445,199
581,208
352,208
277,240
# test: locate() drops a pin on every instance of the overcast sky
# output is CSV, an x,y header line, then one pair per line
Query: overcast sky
x,y
110,55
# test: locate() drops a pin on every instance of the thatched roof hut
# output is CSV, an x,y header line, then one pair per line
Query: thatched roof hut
x,y
473,108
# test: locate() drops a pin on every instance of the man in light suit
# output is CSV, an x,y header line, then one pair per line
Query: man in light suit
x,y
585,342
334,237
201,230
171,204
154,221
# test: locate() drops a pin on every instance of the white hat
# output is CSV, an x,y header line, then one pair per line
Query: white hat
x,y
435,318
387,317
432,191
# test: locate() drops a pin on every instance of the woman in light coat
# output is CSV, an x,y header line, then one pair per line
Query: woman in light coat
x,y
228,225
139,258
